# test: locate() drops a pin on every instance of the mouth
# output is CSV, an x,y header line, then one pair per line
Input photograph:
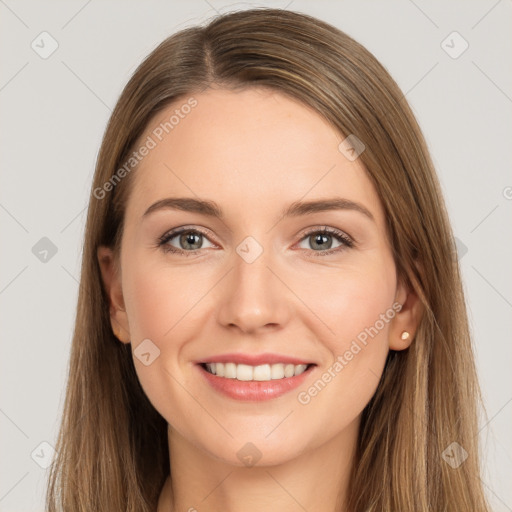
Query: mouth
x,y
251,383
259,373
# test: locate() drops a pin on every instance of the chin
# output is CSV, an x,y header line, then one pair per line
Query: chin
x,y
256,450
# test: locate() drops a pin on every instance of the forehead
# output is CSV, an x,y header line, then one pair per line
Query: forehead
x,y
246,149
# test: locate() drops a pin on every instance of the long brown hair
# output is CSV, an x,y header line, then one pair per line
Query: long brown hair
x,y
112,451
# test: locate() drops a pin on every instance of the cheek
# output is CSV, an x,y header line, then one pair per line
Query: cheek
x,y
163,306
355,313
159,310
347,302
157,299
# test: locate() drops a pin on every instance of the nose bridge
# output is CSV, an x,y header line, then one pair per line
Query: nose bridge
x,y
254,296
252,271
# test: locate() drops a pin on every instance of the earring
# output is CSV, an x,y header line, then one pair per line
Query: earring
x,y
405,335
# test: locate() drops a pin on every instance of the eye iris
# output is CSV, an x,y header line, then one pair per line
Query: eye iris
x,y
187,238
319,238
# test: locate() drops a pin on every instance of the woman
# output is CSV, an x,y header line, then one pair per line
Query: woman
x,y
226,355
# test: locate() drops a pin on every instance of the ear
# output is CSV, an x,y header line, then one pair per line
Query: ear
x,y
407,319
112,283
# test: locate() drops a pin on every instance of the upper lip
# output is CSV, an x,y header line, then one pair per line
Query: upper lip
x,y
254,359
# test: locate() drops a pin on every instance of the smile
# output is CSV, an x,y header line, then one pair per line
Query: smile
x,y
263,372
254,383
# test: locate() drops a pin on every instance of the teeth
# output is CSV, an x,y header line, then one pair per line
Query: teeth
x,y
262,372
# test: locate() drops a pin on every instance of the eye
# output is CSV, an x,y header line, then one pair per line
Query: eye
x,y
189,241
322,239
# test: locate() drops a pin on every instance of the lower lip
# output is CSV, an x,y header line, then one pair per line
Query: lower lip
x,y
256,391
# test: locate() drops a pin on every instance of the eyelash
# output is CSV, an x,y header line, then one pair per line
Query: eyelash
x,y
347,242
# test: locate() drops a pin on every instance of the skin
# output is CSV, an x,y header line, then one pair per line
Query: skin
x,y
254,152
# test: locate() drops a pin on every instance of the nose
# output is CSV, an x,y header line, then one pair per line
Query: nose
x,y
254,296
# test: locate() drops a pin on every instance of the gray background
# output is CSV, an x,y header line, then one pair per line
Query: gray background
x,y
54,112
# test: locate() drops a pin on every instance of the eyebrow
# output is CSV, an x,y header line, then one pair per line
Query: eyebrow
x,y
295,209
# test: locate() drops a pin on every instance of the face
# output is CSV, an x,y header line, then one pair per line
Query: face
x,y
316,286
